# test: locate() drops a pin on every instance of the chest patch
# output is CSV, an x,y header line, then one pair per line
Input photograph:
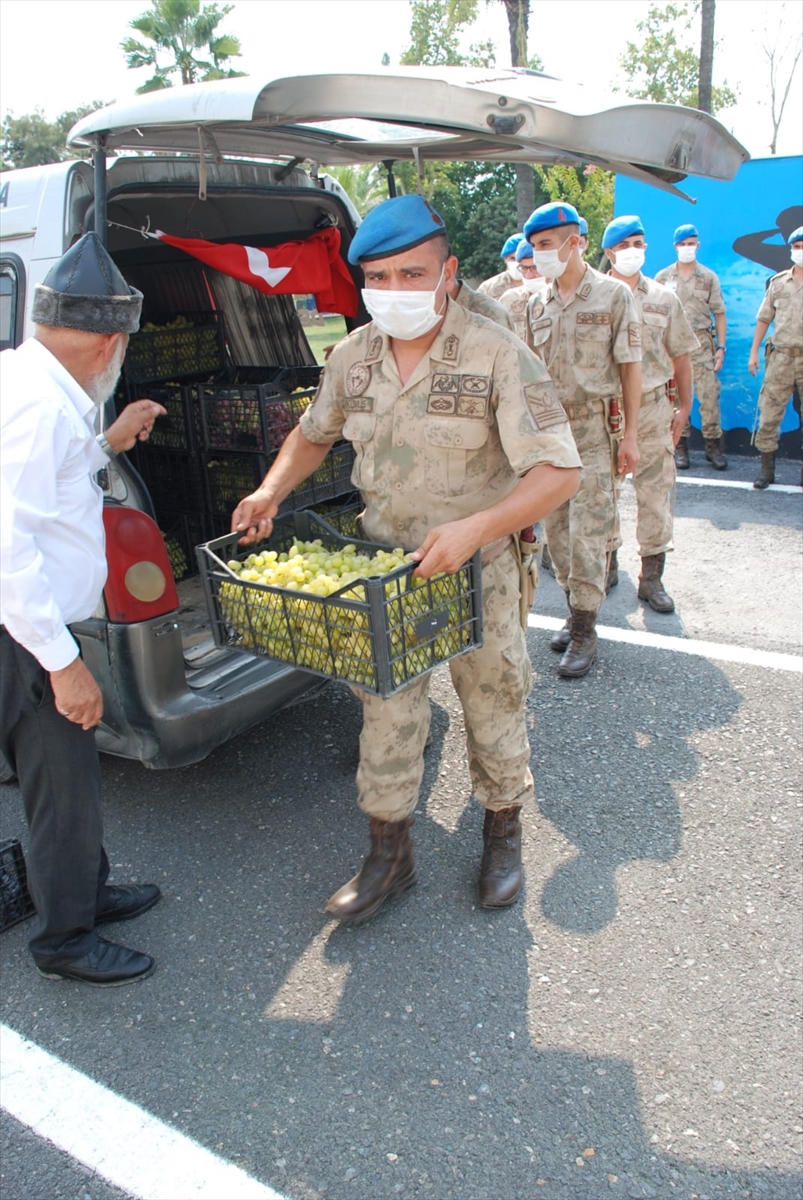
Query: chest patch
x,y
593,318
358,379
460,395
358,404
663,309
544,405
537,310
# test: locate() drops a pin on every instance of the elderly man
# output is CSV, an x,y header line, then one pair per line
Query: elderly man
x,y
460,441
667,341
511,276
782,306
698,290
586,330
53,569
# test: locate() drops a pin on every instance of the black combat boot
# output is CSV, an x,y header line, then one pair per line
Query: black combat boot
x,y
682,454
714,455
612,573
582,649
387,871
500,869
650,587
766,475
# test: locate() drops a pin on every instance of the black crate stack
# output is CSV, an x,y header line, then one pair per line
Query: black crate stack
x,y
223,429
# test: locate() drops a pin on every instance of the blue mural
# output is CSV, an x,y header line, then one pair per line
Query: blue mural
x,y
743,229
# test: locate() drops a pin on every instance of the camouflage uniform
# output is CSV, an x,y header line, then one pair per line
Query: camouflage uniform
x,y
700,295
497,284
782,306
515,302
476,414
478,302
665,334
581,343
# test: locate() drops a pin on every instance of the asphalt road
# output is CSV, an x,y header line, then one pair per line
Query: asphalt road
x,y
631,1029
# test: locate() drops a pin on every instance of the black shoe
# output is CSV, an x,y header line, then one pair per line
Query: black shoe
x,y
105,965
128,901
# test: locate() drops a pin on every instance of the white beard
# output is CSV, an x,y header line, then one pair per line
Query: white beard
x,y
102,386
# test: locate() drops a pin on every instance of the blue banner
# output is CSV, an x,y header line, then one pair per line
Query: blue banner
x,y
743,227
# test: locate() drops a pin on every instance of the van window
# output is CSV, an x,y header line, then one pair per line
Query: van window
x,y
78,198
12,301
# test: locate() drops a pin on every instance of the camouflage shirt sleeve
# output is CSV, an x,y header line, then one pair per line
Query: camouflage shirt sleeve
x,y
625,327
767,310
680,337
532,425
715,299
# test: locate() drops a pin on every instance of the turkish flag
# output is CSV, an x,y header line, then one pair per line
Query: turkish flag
x,y
291,268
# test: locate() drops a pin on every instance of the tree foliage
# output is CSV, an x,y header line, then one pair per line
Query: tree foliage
x,y
30,140
435,30
365,184
181,29
590,189
665,65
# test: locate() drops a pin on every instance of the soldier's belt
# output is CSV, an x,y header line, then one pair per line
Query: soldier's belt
x,y
495,549
582,409
795,351
656,394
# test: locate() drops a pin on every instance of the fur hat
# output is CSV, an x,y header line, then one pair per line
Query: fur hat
x,y
85,290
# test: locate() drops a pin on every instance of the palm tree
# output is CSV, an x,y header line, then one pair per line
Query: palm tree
x,y
518,20
364,185
181,28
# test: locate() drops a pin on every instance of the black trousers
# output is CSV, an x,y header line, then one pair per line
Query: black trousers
x,y
59,776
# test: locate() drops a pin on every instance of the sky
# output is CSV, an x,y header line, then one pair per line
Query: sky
x,y
57,55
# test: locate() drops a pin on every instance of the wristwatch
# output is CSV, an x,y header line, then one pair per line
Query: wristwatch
x,y
106,445
722,348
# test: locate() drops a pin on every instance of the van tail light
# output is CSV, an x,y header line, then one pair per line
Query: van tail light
x,y
140,583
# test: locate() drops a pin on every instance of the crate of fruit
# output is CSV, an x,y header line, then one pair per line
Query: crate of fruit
x,y
187,347
249,417
348,610
180,429
332,479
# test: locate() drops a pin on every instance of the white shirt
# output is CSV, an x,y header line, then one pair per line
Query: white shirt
x,y
52,544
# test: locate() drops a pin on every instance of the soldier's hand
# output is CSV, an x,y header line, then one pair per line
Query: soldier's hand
x,y
134,424
253,517
628,455
679,420
446,548
77,696
752,363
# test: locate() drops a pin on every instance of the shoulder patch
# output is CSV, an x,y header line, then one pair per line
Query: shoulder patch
x,y
374,349
536,310
634,333
585,291
451,348
544,405
358,379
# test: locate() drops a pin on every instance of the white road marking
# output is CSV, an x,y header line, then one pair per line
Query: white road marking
x,y
116,1139
660,641
737,483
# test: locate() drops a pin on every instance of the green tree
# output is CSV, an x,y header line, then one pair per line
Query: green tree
x,y
590,190
30,140
181,28
365,184
435,30
665,66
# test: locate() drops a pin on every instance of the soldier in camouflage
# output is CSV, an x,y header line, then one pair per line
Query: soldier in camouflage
x,y
478,302
460,441
515,300
667,340
699,291
586,330
510,277
782,306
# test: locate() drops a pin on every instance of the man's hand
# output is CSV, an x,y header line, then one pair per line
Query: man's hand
x,y
78,697
679,420
134,424
752,362
253,517
628,454
719,358
446,548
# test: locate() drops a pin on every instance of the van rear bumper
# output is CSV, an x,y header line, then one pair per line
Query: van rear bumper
x,y
166,713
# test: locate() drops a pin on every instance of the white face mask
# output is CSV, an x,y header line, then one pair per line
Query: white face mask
x,y
630,261
686,254
797,257
533,285
513,270
402,314
548,262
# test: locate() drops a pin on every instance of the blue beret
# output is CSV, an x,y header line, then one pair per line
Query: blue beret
x,y
511,245
550,216
796,236
395,226
684,231
621,228
523,250
583,227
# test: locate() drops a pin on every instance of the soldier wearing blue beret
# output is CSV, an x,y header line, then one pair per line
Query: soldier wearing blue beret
x,y
698,290
460,443
497,285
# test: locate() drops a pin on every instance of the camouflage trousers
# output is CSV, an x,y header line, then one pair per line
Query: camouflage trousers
x,y
579,531
653,478
492,683
706,385
782,372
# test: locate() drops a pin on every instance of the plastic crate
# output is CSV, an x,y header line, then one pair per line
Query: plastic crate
x,y
189,350
181,428
15,900
249,417
174,479
343,515
181,536
294,377
332,479
229,477
379,632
